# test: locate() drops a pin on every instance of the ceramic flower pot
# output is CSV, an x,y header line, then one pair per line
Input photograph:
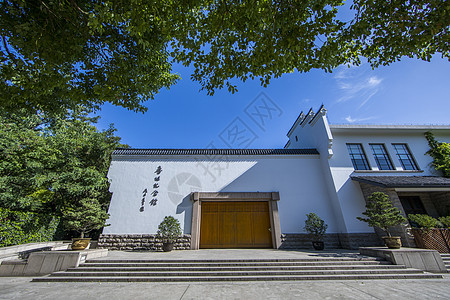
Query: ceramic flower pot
x,y
318,245
392,242
167,247
80,243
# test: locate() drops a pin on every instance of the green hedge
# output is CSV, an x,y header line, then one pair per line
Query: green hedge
x,y
25,227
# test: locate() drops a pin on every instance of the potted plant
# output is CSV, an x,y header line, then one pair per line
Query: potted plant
x,y
88,215
382,214
169,230
316,228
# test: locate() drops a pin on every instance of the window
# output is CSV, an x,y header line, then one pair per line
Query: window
x,y
381,157
412,205
358,157
405,157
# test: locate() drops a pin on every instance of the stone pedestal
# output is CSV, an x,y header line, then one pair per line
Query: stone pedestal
x,y
422,259
47,262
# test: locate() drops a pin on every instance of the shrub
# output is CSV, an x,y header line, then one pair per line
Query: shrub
x,y
169,229
424,221
315,226
445,221
25,227
381,213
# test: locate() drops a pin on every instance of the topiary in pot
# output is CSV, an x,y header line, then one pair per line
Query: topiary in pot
x,y
316,228
382,214
84,217
169,230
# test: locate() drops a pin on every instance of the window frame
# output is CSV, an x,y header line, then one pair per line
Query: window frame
x,y
363,155
386,155
408,154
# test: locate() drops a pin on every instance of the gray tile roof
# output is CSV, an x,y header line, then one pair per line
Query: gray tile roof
x,y
122,151
404,181
378,126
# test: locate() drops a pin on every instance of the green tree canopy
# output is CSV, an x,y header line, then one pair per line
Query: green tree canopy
x,y
54,164
57,53
440,152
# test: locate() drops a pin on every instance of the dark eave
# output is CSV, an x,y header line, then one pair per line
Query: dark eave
x,y
404,181
122,151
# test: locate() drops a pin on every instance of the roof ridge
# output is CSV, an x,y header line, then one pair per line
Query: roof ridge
x,y
168,151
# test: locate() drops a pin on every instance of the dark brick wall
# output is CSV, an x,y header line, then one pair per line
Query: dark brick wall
x,y
441,201
332,240
356,240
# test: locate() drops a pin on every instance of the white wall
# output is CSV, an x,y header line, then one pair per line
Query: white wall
x,y
299,179
345,196
349,193
317,135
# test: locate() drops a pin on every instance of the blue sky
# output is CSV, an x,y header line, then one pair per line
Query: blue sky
x,y
406,92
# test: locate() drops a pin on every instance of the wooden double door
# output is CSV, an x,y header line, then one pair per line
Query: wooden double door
x,y
235,224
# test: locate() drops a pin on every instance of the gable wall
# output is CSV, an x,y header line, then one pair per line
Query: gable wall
x,y
298,179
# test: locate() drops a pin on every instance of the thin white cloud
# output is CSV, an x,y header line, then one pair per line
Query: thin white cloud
x,y
358,120
374,81
352,84
368,98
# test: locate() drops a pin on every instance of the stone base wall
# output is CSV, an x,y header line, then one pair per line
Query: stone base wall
x,y
303,241
356,240
138,242
332,240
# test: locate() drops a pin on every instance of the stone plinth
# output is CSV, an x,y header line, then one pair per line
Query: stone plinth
x,y
47,262
422,259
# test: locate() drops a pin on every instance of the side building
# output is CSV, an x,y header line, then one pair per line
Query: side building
x,y
259,198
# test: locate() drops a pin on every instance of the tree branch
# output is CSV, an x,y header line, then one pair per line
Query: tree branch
x,y
11,56
5,45
74,4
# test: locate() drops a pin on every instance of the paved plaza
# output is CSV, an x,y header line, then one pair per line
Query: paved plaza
x,y
23,288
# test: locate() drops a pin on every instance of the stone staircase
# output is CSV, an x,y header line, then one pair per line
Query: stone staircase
x,y
359,268
446,259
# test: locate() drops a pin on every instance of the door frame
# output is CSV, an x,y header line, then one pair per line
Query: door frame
x,y
271,197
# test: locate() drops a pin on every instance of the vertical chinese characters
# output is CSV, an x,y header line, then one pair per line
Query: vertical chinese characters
x,y
155,191
144,193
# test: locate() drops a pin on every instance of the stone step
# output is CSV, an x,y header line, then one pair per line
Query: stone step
x,y
234,273
243,268
237,270
227,264
238,278
268,260
446,259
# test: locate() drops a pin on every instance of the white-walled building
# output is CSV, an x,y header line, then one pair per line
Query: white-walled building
x,y
230,198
